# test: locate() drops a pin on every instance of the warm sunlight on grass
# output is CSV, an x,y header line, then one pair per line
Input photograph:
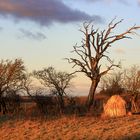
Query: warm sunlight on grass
x,y
72,128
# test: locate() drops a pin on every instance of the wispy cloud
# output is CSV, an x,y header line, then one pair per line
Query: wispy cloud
x,y
1,28
139,2
44,12
125,2
31,35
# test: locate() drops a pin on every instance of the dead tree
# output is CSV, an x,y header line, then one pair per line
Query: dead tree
x,y
93,50
36,94
112,84
131,82
57,82
11,73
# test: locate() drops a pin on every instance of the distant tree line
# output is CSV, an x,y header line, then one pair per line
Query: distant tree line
x,y
15,80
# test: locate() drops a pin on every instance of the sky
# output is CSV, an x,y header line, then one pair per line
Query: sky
x,y
43,32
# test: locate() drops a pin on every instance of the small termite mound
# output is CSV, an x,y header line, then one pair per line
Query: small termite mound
x,y
115,107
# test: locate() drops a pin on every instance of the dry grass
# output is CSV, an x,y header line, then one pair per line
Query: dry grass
x,y
72,128
29,127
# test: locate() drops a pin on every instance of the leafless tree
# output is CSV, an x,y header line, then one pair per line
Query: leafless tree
x,y
37,95
93,50
131,82
13,101
11,73
112,84
57,82
27,85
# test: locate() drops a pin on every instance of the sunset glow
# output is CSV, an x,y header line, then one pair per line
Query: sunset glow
x,y
43,32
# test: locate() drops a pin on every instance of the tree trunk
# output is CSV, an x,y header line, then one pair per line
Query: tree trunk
x,y
3,107
134,106
3,102
61,103
90,99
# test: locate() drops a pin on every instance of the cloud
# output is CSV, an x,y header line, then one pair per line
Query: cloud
x,y
31,35
125,2
1,28
44,12
93,0
139,2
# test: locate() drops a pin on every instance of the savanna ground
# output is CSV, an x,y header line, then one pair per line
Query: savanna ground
x,y
72,128
68,127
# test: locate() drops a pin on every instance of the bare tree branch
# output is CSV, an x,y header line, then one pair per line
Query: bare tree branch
x,y
92,51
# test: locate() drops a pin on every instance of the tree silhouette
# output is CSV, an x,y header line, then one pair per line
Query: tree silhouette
x,y
93,50
57,82
131,82
11,73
